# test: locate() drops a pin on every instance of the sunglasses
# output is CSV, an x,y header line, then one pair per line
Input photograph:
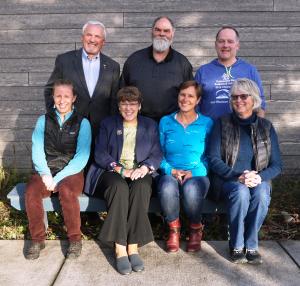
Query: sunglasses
x,y
234,97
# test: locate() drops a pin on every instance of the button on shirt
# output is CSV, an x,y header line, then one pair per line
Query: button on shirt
x,y
91,68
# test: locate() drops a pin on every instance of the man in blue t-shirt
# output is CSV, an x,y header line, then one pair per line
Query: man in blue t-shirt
x,y
217,76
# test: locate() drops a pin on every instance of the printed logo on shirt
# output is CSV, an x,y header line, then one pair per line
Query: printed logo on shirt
x,y
222,94
222,87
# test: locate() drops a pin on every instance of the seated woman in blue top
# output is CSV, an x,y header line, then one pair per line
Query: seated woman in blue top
x,y
60,150
127,152
244,156
183,137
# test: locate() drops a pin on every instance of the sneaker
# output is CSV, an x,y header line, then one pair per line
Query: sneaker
x,y
34,250
74,249
253,256
238,256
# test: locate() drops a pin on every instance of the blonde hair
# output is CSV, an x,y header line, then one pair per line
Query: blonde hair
x,y
247,86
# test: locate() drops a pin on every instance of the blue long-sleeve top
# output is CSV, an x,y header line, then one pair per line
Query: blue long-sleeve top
x,y
184,148
76,164
245,158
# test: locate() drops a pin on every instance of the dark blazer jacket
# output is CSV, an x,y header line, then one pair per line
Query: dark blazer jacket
x,y
103,102
109,145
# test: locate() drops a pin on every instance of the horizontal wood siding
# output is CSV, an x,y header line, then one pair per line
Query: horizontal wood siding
x,y
33,33
90,6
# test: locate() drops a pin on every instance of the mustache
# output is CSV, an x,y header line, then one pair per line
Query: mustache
x,y
161,38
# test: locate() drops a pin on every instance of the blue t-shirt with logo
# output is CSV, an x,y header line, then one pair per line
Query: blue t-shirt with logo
x,y
216,81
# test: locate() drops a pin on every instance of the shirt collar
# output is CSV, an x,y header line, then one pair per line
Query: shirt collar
x,y
245,121
67,116
85,56
174,116
168,58
216,61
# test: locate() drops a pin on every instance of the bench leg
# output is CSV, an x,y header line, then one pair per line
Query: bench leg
x,y
45,221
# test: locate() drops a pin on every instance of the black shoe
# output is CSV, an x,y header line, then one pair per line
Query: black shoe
x,y
74,249
238,256
137,263
123,265
253,256
34,250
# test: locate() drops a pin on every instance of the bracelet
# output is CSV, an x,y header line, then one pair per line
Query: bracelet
x,y
121,172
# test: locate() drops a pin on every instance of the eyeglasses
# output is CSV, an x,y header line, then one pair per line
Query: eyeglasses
x,y
129,104
234,97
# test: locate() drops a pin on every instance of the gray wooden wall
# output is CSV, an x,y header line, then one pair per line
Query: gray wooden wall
x,y
33,32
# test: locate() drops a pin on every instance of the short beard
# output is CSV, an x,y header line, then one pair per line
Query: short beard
x,y
161,44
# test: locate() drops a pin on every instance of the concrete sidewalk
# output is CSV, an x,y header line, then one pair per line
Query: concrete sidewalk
x,y
95,266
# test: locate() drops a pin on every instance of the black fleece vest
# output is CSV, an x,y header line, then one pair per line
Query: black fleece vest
x,y
60,143
260,137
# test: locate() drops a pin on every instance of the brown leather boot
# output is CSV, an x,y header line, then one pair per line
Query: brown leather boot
x,y
195,236
174,235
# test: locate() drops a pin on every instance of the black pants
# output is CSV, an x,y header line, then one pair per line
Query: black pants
x,y
128,203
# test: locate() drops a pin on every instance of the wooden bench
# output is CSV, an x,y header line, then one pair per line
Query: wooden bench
x,y
91,204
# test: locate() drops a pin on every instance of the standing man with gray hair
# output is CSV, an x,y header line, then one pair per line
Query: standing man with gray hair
x,y
157,71
94,75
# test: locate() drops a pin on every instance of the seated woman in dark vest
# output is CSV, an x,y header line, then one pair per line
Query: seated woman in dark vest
x,y
127,152
244,156
60,150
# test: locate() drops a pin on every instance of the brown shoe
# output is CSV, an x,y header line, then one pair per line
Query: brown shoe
x,y
74,249
174,236
195,236
34,250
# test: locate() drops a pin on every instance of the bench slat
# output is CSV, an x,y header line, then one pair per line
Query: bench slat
x,y
91,204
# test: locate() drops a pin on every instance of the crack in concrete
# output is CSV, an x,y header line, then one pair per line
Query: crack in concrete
x,y
287,252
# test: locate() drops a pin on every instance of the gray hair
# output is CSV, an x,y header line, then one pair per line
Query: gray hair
x,y
163,17
249,87
97,23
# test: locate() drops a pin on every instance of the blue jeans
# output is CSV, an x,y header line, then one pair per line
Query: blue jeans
x,y
192,192
246,211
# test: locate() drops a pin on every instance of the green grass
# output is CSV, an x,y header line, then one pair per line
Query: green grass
x,y
285,197
13,224
8,178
